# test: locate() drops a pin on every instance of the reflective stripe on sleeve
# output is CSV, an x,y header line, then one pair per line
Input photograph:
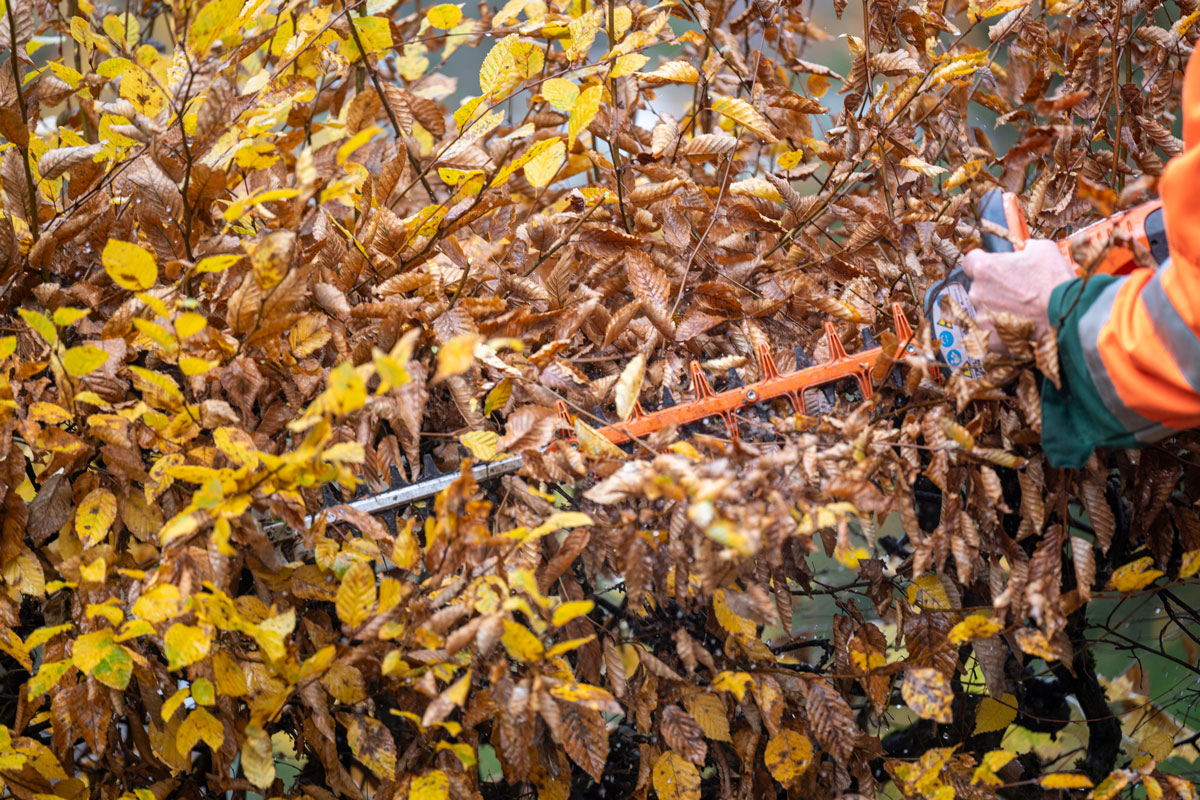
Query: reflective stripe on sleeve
x,y
1175,334
1093,320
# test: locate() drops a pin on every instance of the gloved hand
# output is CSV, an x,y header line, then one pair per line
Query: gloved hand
x,y
1019,283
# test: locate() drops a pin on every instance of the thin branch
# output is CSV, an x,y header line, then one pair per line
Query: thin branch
x,y
23,149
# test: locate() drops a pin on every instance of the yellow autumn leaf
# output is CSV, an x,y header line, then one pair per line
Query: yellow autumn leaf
x,y
592,443
1158,745
93,572
1190,564
629,64
433,785
928,591
570,610
129,266
66,316
928,693
47,676
372,744
1065,780
629,385
40,324
521,644
356,595
583,111
993,8
216,263
563,519
406,550
729,620
709,712
189,324
918,165
229,675
258,761
444,16
560,93
963,174
675,778
95,516
541,169
456,356
788,755
83,360
200,726
185,644
213,20
671,72
203,692
735,682
1135,575
582,31
995,715
975,626
745,115
190,365
991,763
498,397
347,148
482,444
569,645
159,603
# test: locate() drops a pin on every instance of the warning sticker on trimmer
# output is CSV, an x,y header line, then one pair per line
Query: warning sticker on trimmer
x,y
950,335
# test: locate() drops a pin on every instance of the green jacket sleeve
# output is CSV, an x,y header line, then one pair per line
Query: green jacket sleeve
x,y
1075,420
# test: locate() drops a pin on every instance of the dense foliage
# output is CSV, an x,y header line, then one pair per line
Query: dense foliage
x,y
253,248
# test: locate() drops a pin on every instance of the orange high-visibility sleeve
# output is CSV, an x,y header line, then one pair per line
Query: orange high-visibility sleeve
x,y
1141,336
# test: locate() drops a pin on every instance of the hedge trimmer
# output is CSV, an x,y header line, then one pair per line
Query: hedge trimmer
x,y
811,385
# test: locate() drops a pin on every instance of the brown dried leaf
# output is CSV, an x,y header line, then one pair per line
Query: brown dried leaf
x,y
683,735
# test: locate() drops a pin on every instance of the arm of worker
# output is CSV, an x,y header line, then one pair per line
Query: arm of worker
x,y
1128,346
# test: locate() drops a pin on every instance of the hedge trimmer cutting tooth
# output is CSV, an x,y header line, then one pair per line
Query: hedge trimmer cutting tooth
x,y
394,477
429,467
810,388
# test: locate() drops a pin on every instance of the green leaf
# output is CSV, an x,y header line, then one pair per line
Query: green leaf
x,y
47,676
114,668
